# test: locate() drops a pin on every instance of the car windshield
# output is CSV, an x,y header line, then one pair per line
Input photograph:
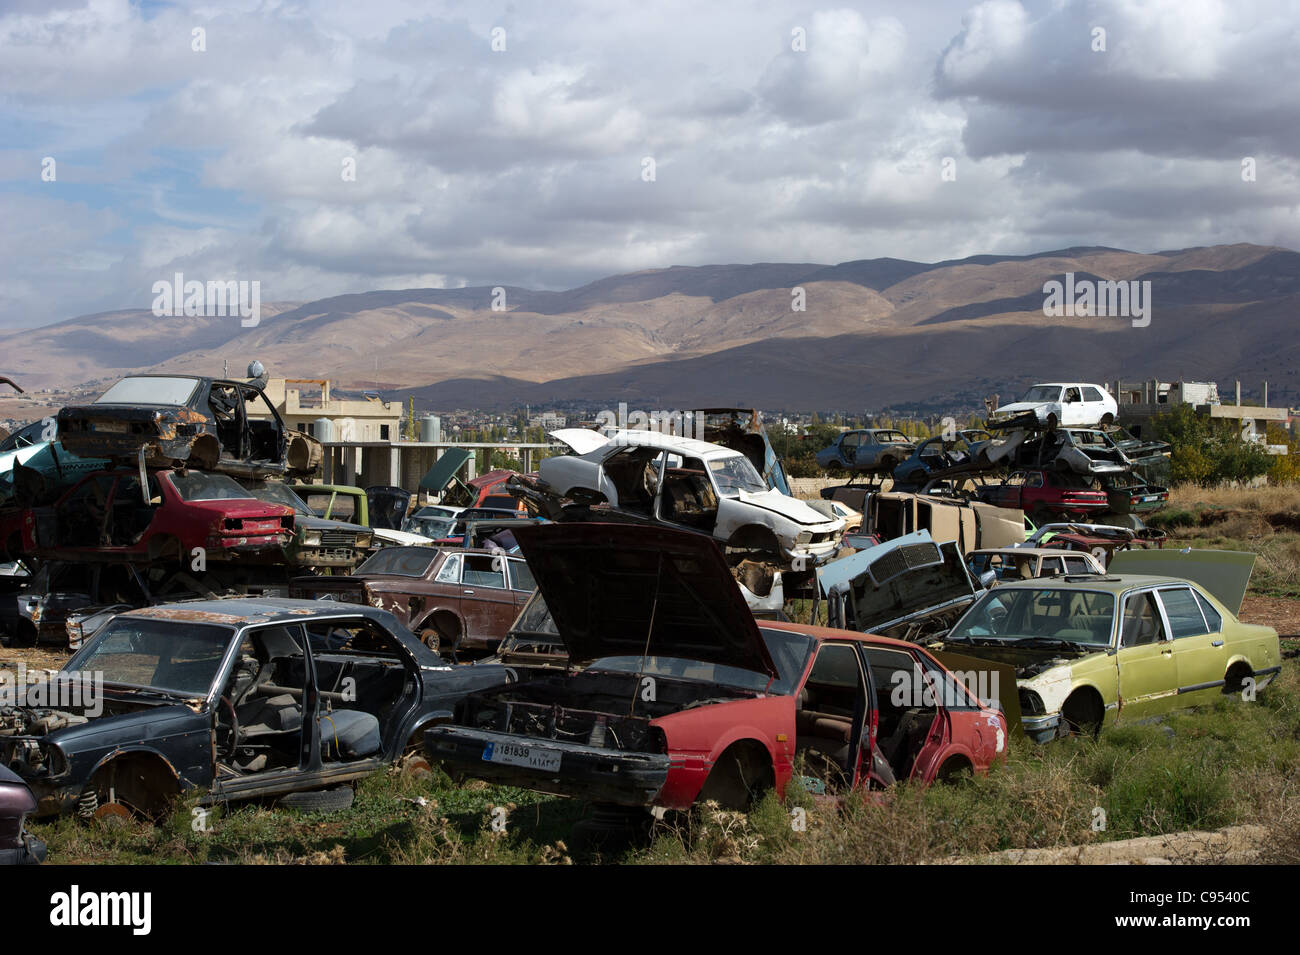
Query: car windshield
x,y
789,651
279,494
535,619
1019,614
149,391
1042,393
34,433
432,527
399,561
736,474
200,486
171,655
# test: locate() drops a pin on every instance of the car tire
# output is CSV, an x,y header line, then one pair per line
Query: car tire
x,y
24,635
320,800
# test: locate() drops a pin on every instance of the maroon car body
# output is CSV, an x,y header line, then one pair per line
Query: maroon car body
x,y
106,517
1044,493
684,697
17,846
454,599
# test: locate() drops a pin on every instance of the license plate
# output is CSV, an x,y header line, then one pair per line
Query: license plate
x,y
118,427
513,754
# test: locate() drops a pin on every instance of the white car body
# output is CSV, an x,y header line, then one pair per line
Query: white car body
x,y
1064,404
747,510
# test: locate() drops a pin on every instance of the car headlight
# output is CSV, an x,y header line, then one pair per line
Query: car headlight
x,y
805,537
56,760
1031,704
363,540
311,539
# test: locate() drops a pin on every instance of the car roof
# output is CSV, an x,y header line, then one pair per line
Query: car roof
x,y
245,611
823,634
1031,551
670,442
1115,583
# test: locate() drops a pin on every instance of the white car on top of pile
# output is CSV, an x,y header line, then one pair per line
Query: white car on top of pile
x,y
682,482
1058,404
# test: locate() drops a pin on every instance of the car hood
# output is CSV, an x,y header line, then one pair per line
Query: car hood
x,y
789,507
401,538
581,440
908,575
629,590
1020,407
1224,574
314,523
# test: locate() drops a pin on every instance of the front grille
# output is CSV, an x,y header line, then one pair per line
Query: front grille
x,y
903,559
338,538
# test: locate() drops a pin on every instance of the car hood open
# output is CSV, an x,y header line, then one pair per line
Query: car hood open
x,y
630,590
1222,573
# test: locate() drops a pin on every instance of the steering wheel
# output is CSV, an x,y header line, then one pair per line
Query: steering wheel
x,y
228,753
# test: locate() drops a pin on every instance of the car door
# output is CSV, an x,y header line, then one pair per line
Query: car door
x,y
1148,673
910,730
1094,404
1199,650
1073,408
831,716
486,603
521,581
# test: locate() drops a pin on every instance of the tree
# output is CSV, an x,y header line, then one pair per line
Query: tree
x,y
1206,450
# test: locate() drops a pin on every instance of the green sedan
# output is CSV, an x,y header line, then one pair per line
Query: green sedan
x,y
1157,633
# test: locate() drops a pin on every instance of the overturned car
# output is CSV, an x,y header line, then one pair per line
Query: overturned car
x,y
651,478
186,420
685,697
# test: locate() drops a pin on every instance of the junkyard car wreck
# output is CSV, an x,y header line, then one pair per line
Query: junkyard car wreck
x,y
239,698
684,697
1090,650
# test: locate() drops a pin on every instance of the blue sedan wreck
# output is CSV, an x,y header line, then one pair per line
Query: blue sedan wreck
x,y
240,698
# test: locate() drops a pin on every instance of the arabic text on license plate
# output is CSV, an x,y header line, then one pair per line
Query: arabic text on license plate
x,y
513,754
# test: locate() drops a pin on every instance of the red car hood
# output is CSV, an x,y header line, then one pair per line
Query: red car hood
x,y
629,590
247,510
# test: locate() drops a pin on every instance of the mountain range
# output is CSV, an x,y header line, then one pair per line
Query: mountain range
x,y
873,333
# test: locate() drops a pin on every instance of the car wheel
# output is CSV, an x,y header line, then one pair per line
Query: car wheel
x,y
25,634
320,800
1081,715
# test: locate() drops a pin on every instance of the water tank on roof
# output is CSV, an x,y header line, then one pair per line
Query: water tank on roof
x,y
431,428
322,429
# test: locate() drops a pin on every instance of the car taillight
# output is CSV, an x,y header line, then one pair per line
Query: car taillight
x,y
287,522
233,523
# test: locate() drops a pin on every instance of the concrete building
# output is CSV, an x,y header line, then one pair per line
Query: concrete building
x,y
1140,401
302,402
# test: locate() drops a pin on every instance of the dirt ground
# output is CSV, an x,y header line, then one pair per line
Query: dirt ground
x,y
1280,613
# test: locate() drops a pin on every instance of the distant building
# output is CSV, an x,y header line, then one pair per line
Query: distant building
x,y
1140,402
303,402
550,421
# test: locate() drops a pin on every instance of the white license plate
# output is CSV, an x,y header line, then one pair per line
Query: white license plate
x,y
117,427
514,754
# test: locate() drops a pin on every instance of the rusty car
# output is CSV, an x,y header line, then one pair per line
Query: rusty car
x,y
685,697
456,600
237,699
212,424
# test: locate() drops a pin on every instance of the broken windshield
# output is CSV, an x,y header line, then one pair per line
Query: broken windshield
x,y
736,474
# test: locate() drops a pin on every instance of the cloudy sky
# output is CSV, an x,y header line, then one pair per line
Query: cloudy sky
x,y
775,131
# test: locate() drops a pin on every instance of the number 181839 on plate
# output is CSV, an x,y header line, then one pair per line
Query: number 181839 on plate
x,y
515,754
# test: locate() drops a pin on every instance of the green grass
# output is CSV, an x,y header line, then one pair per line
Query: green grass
x,y
1221,764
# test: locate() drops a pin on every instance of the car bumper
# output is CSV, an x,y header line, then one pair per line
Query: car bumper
x,y
585,772
31,852
1041,729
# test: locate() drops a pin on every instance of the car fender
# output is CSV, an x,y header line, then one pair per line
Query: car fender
x,y
144,750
